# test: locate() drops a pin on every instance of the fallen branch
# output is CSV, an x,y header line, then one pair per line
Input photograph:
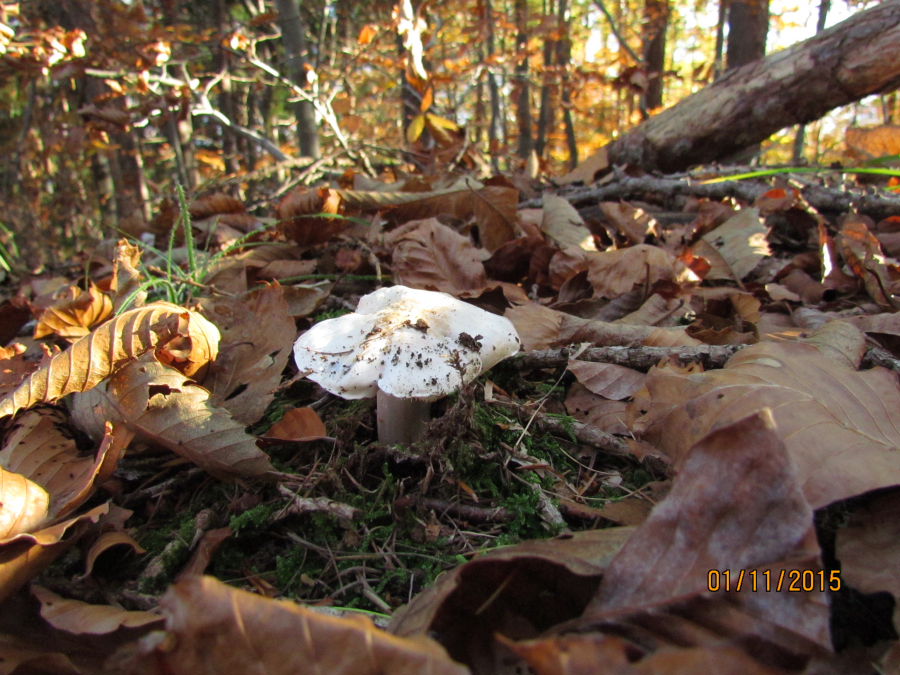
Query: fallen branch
x,y
639,358
649,188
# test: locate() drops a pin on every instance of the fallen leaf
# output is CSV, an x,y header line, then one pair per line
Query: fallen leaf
x,y
735,247
563,225
838,424
78,618
161,405
74,316
24,504
257,336
212,628
179,336
25,555
432,256
298,424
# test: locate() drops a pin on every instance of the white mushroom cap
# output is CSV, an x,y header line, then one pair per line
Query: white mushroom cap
x,y
407,342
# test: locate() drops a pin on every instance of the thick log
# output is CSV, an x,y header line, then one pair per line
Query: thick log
x,y
855,58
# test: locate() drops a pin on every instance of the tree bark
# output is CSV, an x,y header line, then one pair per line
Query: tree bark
x,y
853,59
656,20
295,50
748,25
523,86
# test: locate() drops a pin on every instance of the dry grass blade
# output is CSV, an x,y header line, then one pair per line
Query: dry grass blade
x,y
184,338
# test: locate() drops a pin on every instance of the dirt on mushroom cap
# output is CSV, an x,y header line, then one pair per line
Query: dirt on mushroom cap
x,y
409,343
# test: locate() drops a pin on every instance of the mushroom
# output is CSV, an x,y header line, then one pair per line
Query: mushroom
x,y
406,347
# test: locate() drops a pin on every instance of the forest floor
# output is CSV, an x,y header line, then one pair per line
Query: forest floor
x,y
691,462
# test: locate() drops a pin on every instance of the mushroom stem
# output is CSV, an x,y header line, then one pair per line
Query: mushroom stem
x,y
400,420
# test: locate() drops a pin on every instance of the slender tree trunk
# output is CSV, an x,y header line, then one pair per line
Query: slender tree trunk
x,y
800,138
292,32
232,145
748,25
720,39
547,114
523,86
656,21
495,132
563,56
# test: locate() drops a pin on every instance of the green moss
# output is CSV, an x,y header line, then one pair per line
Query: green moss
x,y
253,520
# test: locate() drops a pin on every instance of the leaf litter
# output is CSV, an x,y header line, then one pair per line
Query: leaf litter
x,y
724,384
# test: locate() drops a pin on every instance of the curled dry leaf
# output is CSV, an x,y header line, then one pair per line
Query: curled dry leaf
x,y
517,590
40,446
301,215
868,548
126,277
161,405
862,252
106,541
607,379
180,337
25,555
24,505
839,425
214,628
80,618
74,316
734,484
614,273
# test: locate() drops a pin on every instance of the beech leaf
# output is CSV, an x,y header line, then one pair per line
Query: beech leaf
x,y
181,337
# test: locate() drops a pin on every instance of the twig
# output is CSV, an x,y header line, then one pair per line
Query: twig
x,y
639,358
473,514
582,433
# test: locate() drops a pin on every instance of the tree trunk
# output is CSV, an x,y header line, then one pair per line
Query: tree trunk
x,y
523,86
853,59
800,138
295,50
656,20
748,24
495,133
563,57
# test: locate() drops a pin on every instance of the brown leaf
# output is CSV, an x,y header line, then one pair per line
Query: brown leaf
x,y
24,504
868,548
40,446
615,273
301,219
106,541
160,404
633,222
127,277
26,555
862,252
257,334
74,316
432,256
298,424
839,425
735,247
563,225
518,590
607,379
216,629
179,337
733,485
79,618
